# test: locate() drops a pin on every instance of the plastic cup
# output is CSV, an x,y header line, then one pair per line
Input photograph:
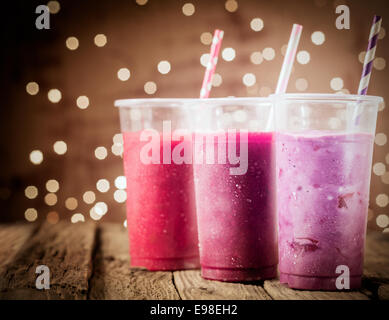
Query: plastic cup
x,y
161,213
324,157
235,198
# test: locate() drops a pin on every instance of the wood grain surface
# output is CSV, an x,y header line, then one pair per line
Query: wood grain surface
x,y
114,279
66,249
191,286
87,261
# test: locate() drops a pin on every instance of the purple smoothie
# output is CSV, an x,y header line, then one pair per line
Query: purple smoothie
x,y
322,194
236,215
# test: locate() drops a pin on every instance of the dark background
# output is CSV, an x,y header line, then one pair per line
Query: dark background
x,y
138,38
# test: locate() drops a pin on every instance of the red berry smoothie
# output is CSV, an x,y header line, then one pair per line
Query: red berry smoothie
x,y
161,215
236,214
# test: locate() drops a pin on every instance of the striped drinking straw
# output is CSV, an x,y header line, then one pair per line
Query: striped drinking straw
x,y
367,65
369,57
211,66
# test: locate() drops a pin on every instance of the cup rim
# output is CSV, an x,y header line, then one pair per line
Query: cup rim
x,y
327,97
177,102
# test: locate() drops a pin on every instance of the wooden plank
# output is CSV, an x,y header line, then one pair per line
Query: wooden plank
x,y
113,278
191,286
66,249
12,238
377,256
280,291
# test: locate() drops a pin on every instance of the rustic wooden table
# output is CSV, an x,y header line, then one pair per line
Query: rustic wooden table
x,y
87,261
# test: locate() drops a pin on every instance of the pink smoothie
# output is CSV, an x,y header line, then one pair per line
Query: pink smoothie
x,y
161,216
236,215
323,192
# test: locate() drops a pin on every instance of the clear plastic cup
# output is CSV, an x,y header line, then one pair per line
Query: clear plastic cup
x,y
161,216
234,172
324,155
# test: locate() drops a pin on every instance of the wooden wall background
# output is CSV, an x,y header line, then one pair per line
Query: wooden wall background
x,y
139,35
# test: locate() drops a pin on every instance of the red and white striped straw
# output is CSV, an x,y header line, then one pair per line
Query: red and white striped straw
x,y
211,66
369,57
290,54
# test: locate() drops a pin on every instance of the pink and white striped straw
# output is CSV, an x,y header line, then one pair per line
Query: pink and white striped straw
x,y
290,54
211,66
369,57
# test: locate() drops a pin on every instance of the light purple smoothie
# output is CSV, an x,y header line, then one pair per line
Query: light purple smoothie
x,y
322,194
236,215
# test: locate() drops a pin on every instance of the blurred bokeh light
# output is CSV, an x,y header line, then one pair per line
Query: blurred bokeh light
x,y
61,147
